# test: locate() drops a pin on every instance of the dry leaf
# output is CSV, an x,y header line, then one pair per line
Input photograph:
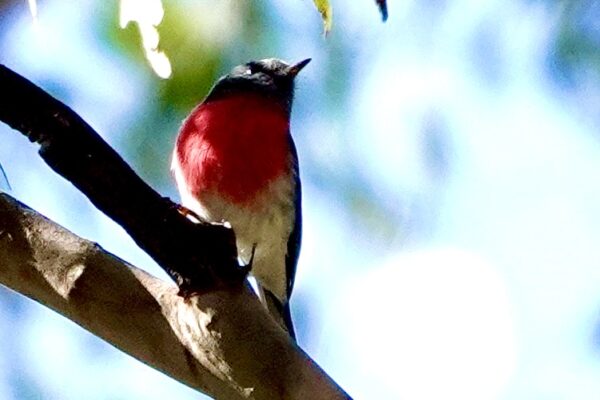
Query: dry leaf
x,y
382,4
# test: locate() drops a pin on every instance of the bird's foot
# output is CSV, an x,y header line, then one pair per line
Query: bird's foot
x,y
189,214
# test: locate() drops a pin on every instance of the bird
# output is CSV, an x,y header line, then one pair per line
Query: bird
x,y
235,161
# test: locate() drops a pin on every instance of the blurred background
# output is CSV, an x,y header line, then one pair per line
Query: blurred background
x,y
450,165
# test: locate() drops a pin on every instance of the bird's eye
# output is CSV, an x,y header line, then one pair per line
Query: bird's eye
x,y
252,68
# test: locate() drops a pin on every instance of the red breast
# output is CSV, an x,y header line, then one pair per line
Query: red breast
x,y
234,146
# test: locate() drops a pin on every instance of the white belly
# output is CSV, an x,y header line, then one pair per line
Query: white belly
x,y
268,225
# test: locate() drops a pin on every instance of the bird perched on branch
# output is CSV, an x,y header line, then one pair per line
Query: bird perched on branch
x,y
235,161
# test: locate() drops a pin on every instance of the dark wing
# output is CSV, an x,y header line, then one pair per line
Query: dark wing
x,y
293,245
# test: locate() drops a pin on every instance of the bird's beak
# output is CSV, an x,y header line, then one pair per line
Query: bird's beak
x,y
293,70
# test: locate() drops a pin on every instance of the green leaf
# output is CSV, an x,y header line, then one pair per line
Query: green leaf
x,y
324,8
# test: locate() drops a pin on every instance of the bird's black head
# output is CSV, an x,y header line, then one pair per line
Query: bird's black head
x,y
270,77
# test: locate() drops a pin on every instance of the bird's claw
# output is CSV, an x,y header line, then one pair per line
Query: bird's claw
x,y
189,214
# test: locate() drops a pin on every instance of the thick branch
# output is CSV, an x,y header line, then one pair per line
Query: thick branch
x,y
74,150
221,342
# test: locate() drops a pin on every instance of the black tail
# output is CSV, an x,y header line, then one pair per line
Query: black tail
x,y
281,312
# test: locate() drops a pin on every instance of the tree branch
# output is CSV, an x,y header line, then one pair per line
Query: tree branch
x,y
217,339
75,151
221,342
